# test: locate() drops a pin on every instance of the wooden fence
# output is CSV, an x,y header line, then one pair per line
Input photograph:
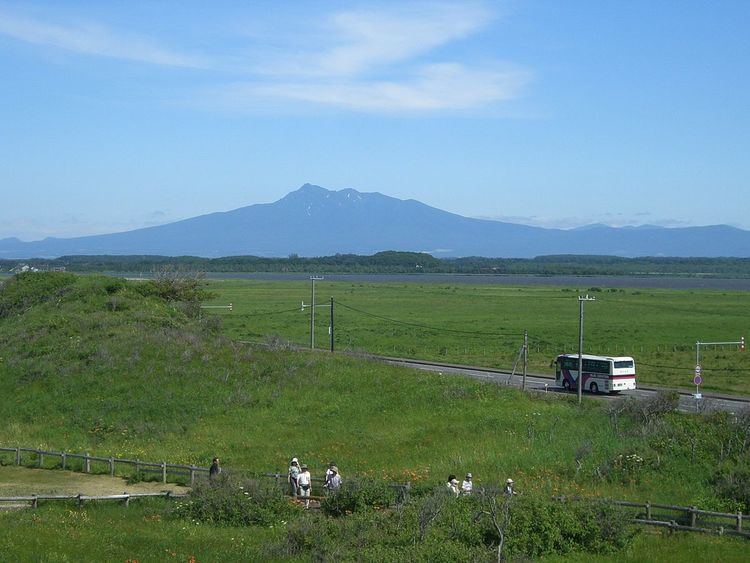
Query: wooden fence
x,y
162,468
81,498
687,518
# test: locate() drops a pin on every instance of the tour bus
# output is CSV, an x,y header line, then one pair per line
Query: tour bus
x,y
600,373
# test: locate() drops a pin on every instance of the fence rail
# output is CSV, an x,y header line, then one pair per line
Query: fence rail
x,y
164,468
81,498
690,518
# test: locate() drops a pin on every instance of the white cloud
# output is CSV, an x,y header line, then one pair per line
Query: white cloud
x,y
381,60
386,58
93,39
371,38
571,222
431,88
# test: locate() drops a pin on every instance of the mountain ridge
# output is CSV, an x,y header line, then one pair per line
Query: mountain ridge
x,y
315,221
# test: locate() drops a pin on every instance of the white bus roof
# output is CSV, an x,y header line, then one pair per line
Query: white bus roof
x,y
592,357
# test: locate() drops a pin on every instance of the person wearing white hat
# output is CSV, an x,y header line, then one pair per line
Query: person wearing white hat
x,y
334,479
294,476
509,487
452,485
467,486
305,484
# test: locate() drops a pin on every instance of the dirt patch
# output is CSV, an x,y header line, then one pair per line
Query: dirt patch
x,y
24,481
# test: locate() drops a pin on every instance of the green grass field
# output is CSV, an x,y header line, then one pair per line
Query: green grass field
x,y
483,325
101,365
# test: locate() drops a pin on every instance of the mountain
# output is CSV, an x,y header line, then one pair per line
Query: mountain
x,y
313,221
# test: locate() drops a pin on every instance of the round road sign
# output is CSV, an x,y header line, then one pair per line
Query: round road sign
x,y
697,380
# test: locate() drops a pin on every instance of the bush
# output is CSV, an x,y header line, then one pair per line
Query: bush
x,y
539,527
22,291
226,501
357,494
732,484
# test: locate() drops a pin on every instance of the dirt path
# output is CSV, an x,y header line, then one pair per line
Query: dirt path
x,y
24,481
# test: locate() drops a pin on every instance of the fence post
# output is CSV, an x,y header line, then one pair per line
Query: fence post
x,y
80,500
137,466
163,471
34,501
192,475
18,456
127,499
278,478
40,461
112,466
739,520
693,515
63,459
648,510
86,463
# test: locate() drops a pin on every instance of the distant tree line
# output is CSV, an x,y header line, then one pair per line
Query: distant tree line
x,y
392,262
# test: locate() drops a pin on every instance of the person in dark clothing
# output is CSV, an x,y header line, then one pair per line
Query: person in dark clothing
x,y
215,469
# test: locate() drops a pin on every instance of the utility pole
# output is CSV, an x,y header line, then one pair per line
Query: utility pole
x,y
580,344
525,357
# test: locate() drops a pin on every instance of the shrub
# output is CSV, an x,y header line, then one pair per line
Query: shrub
x,y
539,527
732,484
646,410
22,291
357,494
227,501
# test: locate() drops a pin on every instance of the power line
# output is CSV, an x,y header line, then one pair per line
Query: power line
x,y
422,326
683,368
270,312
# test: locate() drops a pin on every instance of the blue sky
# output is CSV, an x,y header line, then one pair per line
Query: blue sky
x,y
116,115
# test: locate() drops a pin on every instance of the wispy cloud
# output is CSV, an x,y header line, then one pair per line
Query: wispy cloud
x,y
93,39
431,87
571,222
386,58
359,41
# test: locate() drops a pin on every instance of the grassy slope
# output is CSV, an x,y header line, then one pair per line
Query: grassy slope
x,y
103,369
657,327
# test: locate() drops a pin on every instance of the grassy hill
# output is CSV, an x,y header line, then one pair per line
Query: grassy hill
x,y
122,368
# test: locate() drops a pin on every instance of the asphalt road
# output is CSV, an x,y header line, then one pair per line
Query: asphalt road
x,y
688,403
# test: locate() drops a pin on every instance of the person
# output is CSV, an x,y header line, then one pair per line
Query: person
x,y
452,484
293,477
333,482
328,474
467,486
215,469
304,480
509,487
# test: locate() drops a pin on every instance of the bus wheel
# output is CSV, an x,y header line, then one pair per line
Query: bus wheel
x,y
566,384
594,388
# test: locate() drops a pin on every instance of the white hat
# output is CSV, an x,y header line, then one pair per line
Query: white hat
x,y
294,460
509,481
468,475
